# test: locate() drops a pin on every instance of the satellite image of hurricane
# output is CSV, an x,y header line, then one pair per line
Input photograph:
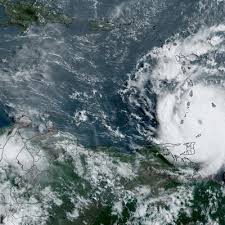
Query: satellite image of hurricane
x,y
112,112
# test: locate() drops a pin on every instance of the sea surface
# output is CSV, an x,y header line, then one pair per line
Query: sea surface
x,y
119,124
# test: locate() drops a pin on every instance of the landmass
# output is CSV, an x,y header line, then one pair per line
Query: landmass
x,y
24,14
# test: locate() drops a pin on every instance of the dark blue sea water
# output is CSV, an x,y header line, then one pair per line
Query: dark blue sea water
x,y
5,119
45,65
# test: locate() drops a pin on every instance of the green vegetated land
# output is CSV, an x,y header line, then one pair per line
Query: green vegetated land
x,y
150,168
24,14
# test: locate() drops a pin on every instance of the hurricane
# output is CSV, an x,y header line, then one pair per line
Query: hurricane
x,y
187,79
